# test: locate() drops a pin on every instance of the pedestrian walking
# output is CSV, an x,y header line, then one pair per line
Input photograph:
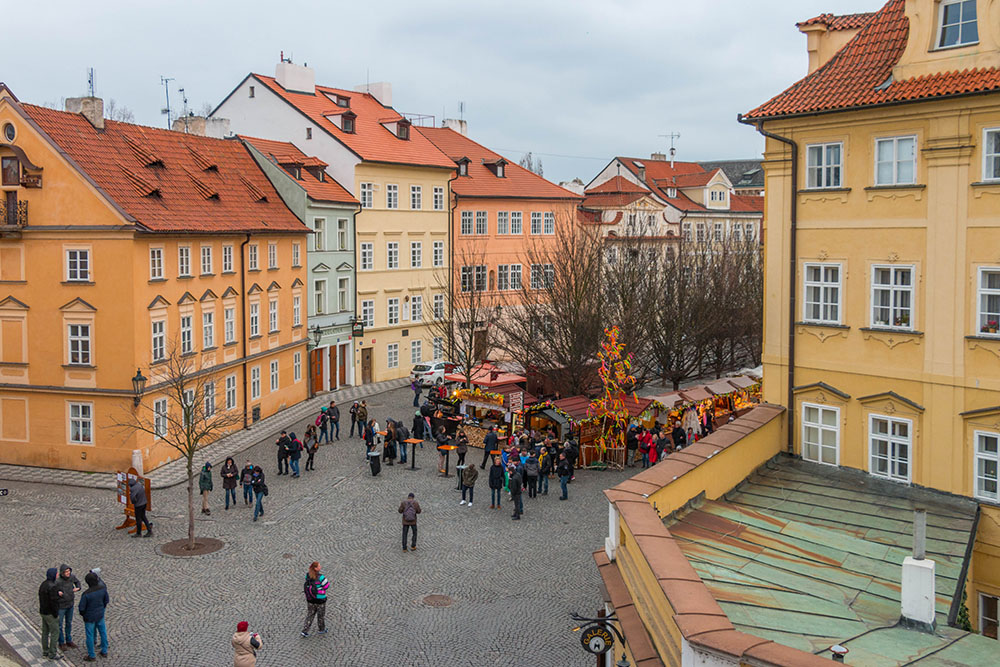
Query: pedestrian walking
x,y
294,453
410,508
497,479
245,646
323,422
137,494
246,481
67,586
469,476
229,474
92,605
282,443
354,417
515,483
544,469
333,412
205,486
48,608
310,443
415,388
531,471
315,590
362,414
565,471
489,445
402,435
259,491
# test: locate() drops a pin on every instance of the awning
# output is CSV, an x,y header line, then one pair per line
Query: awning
x,y
553,415
720,387
742,382
695,394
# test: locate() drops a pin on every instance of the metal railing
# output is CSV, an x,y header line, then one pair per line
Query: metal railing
x,y
15,213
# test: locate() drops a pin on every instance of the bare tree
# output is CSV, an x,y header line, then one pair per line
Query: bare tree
x,y
531,163
121,113
193,421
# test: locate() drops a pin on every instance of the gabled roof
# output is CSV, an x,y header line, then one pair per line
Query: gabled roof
x,y
859,75
746,204
617,184
371,139
660,176
695,180
841,22
481,180
284,154
741,173
168,181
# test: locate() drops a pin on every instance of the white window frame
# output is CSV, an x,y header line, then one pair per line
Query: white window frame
x,y
820,429
438,306
297,367
319,296
482,223
227,259
993,457
208,398
78,265
416,351
392,196
823,286
208,329
252,264
156,263
437,345
79,344
503,222
516,223
81,423
158,340
272,315
367,195
819,176
466,224
343,238
701,233
983,318
438,250
536,223
272,255
187,334
368,313
392,255
686,231
160,424
206,260
503,277
516,276
718,231
231,396
893,289
982,616
438,198
296,254
416,254
319,234
991,175
392,355
392,311
891,441
417,308
254,319
296,310
255,383
184,261
275,377
343,294
549,223
367,256
895,180
416,198
229,324
941,26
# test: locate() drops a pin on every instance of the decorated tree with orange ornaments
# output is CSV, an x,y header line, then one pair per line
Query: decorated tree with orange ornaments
x,y
617,382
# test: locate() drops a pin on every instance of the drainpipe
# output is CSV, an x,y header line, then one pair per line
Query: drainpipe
x,y
451,270
243,325
354,362
793,271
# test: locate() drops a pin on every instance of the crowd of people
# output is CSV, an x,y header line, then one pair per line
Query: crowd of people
x,y
652,444
57,605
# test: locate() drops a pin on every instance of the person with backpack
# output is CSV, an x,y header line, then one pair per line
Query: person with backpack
x,y
323,424
469,476
565,471
92,605
282,443
48,607
315,589
259,491
531,472
572,454
245,646
333,412
246,481
354,417
310,444
205,486
229,474
410,508
294,453
544,469
496,482
362,415
516,484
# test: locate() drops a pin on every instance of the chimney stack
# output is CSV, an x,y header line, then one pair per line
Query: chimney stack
x,y
295,78
217,128
92,108
658,156
917,594
457,125
380,90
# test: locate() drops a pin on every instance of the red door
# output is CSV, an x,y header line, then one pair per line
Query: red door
x,y
333,367
316,362
343,364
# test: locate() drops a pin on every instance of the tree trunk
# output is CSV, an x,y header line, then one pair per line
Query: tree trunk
x,y
190,467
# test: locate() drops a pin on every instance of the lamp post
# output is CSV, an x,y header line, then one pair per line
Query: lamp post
x,y
138,387
317,335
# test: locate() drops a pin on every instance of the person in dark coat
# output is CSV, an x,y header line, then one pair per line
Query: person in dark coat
x,y
463,448
565,471
489,445
418,426
259,489
678,436
246,481
469,477
402,435
354,417
92,605
205,486
497,479
48,607
137,494
67,586
230,474
515,485
410,508
333,412
294,453
282,443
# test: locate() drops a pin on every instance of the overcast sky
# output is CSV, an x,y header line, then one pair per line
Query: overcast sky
x,y
584,79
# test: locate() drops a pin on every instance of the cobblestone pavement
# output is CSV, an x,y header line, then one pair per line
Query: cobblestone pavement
x,y
514,584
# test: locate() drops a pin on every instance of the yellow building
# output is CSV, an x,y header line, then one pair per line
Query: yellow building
x,y
882,240
401,179
119,244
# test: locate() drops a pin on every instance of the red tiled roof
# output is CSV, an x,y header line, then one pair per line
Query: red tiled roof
x,y
613,199
371,140
170,181
859,74
285,153
746,204
617,184
482,181
841,22
689,180
577,406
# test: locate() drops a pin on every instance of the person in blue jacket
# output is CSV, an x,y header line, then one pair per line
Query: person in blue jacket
x,y
92,605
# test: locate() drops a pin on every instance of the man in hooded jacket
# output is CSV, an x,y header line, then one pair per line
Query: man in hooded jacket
x,y
48,607
68,585
92,605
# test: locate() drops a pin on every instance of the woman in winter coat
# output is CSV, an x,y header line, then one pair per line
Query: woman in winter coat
x,y
205,486
245,646
463,448
469,477
230,474
294,453
497,479
310,444
259,488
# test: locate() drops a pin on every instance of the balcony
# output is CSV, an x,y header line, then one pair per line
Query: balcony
x,y
15,213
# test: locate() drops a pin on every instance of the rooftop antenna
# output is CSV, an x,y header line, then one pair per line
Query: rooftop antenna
x,y
461,110
673,151
90,81
165,81
184,112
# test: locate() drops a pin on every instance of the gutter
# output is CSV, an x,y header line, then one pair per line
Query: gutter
x,y
956,600
451,267
793,271
243,325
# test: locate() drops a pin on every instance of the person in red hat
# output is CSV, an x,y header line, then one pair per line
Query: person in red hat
x,y
245,646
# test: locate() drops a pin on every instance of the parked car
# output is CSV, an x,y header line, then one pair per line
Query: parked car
x,y
432,372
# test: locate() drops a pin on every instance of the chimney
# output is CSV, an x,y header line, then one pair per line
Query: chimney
x,y
380,90
217,128
457,125
92,108
295,78
823,43
917,590
576,186
658,156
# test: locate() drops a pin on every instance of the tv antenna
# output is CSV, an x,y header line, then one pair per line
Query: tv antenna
x,y
165,81
461,110
673,151
90,81
184,112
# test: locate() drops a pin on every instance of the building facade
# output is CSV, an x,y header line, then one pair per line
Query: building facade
x,y
399,178
124,245
882,270
327,209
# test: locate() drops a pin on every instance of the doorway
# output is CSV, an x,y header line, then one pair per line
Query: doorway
x,y
366,365
316,363
342,366
333,367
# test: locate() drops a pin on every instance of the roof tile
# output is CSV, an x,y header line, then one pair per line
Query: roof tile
x,y
284,153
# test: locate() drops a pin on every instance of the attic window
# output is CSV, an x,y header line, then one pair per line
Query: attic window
x,y
463,167
343,101
251,91
671,192
500,170
958,23
309,135
403,130
347,123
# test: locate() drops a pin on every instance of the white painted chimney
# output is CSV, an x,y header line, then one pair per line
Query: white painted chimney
x,y
917,594
296,78
217,128
457,125
380,90
662,157
92,108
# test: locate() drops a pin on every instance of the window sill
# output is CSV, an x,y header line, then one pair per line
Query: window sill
x,y
952,47
15,364
210,348
893,330
253,270
986,184
230,343
809,191
157,280
273,332
985,336
296,326
209,274
826,325
78,282
229,273
83,367
13,282
272,268
184,277
185,355
257,337
900,186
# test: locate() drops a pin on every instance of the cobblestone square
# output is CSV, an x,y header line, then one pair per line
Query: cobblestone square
x,y
513,584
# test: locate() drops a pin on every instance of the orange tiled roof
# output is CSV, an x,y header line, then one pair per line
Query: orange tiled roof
x,y
612,199
617,184
284,153
841,22
690,180
746,204
859,74
371,140
660,176
170,181
482,181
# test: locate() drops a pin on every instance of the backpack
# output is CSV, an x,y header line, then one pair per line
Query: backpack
x,y
531,467
309,588
409,511
319,418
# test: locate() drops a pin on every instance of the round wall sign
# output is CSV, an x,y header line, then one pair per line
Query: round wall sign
x,y
597,640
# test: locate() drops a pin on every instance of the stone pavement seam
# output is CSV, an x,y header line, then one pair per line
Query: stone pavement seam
x,y
175,472
23,638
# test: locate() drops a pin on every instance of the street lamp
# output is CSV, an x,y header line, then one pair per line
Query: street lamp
x,y
317,334
623,662
138,386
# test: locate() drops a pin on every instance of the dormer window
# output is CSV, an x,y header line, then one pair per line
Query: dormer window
x,y
958,23
672,193
403,129
500,169
347,122
463,166
343,101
